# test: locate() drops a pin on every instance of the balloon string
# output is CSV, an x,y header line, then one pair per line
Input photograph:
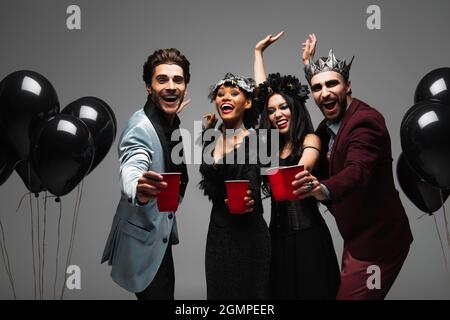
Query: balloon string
x,y
77,213
445,220
32,233
74,226
21,199
43,245
70,243
5,263
39,248
5,257
32,246
57,250
3,253
442,245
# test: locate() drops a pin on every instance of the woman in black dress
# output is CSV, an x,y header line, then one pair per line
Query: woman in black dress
x,y
238,245
303,263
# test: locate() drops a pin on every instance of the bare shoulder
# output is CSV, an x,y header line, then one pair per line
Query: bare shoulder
x,y
312,139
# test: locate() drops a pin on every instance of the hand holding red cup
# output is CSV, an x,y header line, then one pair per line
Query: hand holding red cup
x,y
307,185
168,199
281,182
149,186
239,196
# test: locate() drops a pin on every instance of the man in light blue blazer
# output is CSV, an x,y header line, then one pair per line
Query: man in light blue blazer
x,y
139,246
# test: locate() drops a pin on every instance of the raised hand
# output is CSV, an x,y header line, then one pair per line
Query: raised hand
x,y
309,49
184,103
258,66
267,41
210,120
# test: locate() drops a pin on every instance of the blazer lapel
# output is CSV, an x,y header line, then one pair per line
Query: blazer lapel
x,y
324,163
151,110
348,114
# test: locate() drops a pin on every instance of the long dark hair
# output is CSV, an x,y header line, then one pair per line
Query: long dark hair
x,y
299,125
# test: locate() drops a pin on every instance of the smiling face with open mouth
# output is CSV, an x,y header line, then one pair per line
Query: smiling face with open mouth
x,y
331,93
168,87
279,113
231,103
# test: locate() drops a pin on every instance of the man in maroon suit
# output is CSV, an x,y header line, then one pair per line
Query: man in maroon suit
x,y
355,181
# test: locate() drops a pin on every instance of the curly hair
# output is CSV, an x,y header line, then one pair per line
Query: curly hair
x,y
246,86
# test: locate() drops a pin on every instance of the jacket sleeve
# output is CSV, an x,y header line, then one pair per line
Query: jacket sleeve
x,y
135,156
366,145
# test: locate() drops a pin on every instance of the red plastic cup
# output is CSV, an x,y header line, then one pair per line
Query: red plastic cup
x,y
236,192
281,179
168,198
276,184
288,175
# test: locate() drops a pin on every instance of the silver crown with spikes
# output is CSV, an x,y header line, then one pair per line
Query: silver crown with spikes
x,y
330,64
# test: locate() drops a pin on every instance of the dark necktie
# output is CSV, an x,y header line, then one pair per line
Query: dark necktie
x,y
330,142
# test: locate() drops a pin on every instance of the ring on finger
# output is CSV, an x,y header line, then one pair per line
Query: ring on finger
x,y
309,186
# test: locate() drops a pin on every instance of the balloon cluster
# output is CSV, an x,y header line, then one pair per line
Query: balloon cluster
x,y
423,169
49,149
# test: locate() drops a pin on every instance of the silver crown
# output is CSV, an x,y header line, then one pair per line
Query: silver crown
x,y
330,64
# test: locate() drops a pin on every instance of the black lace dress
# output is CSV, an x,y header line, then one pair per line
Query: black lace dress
x,y
304,263
237,257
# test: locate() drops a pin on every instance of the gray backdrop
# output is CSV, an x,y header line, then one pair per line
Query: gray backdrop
x,y
105,58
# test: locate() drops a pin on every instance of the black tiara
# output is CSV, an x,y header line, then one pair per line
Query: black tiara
x,y
275,83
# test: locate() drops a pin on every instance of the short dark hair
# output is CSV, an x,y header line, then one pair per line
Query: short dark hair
x,y
165,56
346,79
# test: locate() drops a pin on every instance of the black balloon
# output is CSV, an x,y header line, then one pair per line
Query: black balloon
x,y
110,110
100,120
434,86
425,139
425,197
29,176
8,160
26,98
63,153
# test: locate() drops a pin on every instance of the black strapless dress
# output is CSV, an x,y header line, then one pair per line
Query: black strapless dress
x,y
303,263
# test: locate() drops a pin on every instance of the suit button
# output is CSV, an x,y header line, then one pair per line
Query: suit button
x,y
170,216
165,240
